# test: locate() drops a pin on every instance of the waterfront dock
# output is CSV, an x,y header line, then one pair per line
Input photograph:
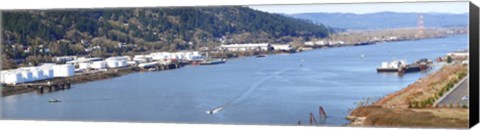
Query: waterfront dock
x,y
64,83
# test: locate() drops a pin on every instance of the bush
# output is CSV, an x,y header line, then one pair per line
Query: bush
x,y
461,75
414,104
449,59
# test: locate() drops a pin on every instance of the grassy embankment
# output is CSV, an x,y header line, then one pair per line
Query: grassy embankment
x,y
413,106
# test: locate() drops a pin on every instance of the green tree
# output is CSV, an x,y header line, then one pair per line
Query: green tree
x,y
449,59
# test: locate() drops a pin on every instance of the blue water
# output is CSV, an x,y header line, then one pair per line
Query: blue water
x,y
276,90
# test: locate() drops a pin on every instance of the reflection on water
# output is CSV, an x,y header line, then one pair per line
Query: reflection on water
x,y
275,90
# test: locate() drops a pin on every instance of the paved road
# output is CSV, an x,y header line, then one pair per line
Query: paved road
x,y
457,94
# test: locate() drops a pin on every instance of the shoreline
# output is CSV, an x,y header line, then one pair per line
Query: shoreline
x,y
401,108
9,90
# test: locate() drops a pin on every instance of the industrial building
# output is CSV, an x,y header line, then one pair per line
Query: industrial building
x,y
167,57
83,60
282,47
246,47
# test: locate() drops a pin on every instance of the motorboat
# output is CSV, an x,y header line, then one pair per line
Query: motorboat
x,y
54,100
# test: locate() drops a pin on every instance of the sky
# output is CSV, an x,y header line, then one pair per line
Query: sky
x,y
363,8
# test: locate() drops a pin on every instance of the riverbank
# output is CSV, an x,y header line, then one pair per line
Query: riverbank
x,y
413,105
8,90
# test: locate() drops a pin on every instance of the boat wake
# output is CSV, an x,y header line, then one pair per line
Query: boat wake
x,y
214,111
244,94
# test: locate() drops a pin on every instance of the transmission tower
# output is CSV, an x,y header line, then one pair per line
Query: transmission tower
x,y
420,26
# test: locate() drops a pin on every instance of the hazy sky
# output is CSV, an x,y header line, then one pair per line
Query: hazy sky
x,y
362,8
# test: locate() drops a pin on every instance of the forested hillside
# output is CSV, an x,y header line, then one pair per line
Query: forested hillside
x,y
42,33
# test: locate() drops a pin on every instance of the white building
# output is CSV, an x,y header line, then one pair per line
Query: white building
x,y
64,58
309,43
458,53
246,47
315,43
167,57
282,47
142,58
118,58
83,60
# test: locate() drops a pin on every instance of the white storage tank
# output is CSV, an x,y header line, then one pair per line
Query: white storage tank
x,y
99,65
27,76
38,74
196,53
84,65
112,64
117,58
122,63
47,73
65,70
2,76
13,77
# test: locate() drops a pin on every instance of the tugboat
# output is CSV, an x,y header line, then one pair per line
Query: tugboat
x,y
393,66
424,63
54,100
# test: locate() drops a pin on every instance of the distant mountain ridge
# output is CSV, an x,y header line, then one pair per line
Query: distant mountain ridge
x,y
382,20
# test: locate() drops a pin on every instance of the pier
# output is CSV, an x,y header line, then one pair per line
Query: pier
x,y
160,67
47,87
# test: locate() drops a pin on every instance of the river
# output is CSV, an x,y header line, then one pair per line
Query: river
x,y
275,90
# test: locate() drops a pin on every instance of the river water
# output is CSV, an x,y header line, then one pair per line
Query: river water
x,y
275,90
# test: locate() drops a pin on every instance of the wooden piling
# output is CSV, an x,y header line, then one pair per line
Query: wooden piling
x,y
40,89
312,119
321,112
50,89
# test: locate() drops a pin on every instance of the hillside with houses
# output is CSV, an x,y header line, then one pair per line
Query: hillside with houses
x,y
38,36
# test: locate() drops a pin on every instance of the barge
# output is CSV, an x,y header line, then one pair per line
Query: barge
x,y
392,66
261,55
400,66
213,61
